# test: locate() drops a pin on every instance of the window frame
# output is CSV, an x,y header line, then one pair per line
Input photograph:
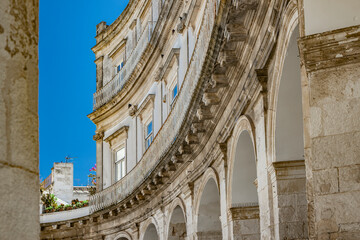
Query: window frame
x,y
149,136
118,141
122,162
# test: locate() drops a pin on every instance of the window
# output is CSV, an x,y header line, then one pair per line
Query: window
x,y
120,166
119,67
149,135
174,93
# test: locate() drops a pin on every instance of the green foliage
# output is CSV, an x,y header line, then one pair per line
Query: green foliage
x,y
49,200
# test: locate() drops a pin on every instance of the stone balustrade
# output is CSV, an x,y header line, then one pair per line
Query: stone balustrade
x,y
115,85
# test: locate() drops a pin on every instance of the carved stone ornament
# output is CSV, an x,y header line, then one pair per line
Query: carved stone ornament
x,y
98,136
181,26
132,110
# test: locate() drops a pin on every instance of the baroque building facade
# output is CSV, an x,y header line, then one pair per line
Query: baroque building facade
x,y
224,119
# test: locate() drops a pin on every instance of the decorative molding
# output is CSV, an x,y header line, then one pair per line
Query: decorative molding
x,y
133,24
330,49
149,101
181,26
132,110
288,169
99,59
122,131
245,212
116,49
173,55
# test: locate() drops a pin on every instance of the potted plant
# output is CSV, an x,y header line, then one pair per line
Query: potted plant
x,y
49,200
68,207
85,203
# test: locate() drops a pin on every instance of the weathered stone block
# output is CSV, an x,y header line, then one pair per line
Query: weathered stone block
x,y
326,181
293,231
341,208
291,186
349,178
286,200
287,214
335,151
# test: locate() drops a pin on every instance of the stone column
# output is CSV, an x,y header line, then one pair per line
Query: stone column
x,y
289,199
19,146
332,147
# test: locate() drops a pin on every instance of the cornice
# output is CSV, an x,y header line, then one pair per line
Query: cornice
x,y
330,49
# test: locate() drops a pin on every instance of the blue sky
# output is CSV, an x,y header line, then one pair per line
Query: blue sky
x,y
67,80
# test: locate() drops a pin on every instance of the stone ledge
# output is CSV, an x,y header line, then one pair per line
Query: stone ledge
x,y
243,213
64,215
288,169
330,49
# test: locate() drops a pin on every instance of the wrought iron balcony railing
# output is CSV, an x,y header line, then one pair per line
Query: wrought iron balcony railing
x,y
114,86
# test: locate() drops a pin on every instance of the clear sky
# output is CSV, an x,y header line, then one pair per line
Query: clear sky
x,y
67,80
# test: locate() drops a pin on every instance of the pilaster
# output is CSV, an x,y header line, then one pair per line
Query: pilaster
x,y
98,137
264,184
332,63
188,196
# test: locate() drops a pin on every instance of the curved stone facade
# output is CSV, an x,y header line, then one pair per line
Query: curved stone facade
x,y
201,112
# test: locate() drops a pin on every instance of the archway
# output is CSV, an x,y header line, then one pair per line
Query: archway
x,y
177,225
289,143
208,222
289,137
151,233
244,209
244,191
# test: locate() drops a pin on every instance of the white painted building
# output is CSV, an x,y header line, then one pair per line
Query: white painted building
x,y
61,183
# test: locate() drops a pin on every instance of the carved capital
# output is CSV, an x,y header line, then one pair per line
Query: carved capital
x,y
132,110
98,136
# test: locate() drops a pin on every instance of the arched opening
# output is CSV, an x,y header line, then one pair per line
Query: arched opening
x,y
289,140
244,191
177,226
245,221
122,238
151,233
290,180
208,223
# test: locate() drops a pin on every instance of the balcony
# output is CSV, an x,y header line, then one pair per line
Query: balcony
x,y
114,86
